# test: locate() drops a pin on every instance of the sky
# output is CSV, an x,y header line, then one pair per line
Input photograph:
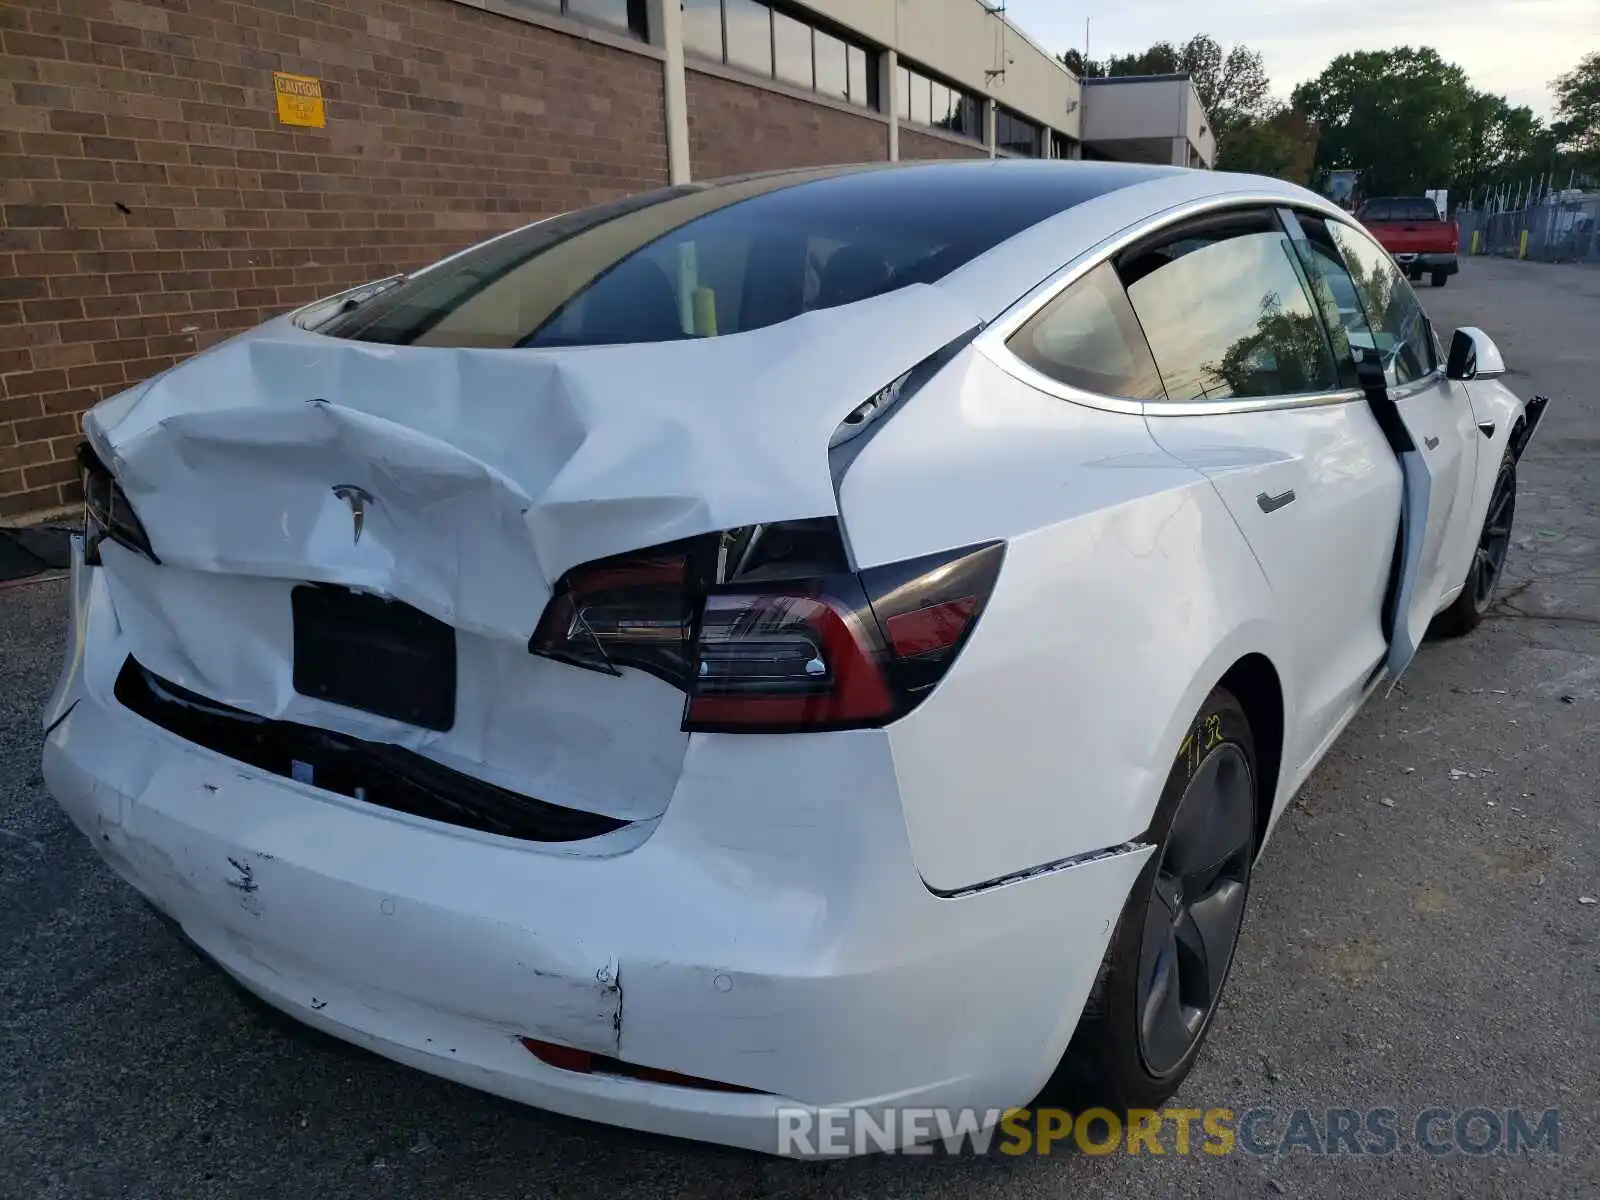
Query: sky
x,y
1512,48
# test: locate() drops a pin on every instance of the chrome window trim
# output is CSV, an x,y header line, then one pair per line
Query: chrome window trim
x,y
1249,404
991,343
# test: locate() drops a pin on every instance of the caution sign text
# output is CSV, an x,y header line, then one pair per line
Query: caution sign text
x,y
299,100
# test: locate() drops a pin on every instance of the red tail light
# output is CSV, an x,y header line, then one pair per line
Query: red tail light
x,y
767,630
789,655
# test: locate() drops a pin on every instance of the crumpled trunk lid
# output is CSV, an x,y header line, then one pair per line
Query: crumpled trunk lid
x,y
481,476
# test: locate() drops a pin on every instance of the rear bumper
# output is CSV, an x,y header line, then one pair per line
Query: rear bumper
x,y
1428,262
797,954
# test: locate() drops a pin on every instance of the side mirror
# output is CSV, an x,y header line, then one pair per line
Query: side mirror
x,y
1473,355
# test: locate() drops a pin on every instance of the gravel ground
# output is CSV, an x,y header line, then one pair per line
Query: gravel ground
x,y
1427,952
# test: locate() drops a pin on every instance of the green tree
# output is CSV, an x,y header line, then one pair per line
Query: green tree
x,y
1232,85
1160,59
1502,144
1281,142
1577,124
1400,116
1080,66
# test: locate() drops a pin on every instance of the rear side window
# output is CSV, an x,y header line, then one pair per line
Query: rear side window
x,y
719,259
1088,337
1396,329
1227,314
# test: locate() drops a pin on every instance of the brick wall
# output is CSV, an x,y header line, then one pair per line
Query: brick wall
x,y
926,145
736,127
150,203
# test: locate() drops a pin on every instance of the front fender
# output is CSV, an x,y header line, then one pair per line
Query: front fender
x,y
1513,422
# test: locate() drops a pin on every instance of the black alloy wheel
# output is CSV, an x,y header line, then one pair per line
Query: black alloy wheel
x,y
1469,608
1142,1027
1196,907
1495,540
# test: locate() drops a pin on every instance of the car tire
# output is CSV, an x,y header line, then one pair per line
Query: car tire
x,y
1440,278
1115,1059
1488,559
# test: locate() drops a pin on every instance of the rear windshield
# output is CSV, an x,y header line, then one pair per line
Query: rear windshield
x,y
718,259
1409,208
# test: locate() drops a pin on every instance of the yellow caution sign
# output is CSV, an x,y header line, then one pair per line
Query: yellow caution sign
x,y
299,100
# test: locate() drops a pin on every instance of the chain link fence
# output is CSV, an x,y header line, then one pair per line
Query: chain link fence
x,y
1553,230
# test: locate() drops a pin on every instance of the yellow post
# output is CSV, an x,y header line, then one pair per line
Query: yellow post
x,y
1522,245
705,312
1474,249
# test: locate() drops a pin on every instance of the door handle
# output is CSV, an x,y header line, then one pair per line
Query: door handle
x,y
1486,428
1431,443
1271,504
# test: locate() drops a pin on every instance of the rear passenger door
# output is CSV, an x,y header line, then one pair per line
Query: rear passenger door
x,y
1261,397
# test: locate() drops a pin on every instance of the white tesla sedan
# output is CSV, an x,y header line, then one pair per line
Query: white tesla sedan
x,y
836,638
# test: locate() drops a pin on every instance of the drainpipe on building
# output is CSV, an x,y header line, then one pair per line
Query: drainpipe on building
x,y
988,126
889,86
666,19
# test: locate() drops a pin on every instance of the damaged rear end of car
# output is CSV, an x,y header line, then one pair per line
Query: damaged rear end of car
x,y
511,702
372,595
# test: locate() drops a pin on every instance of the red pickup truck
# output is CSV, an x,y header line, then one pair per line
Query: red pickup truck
x,y
1411,229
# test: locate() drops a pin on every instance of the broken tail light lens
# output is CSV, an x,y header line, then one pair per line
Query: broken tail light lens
x,y
632,610
106,511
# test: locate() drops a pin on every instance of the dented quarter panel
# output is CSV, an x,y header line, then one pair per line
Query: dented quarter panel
x,y
1127,592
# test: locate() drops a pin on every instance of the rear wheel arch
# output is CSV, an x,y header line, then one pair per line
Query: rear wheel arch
x,y
1254,682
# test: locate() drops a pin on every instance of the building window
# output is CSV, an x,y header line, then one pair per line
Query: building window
x,y
863,75
779,45
628,15
702,27
924,100
921,88
791,51
1017,134
833,71
748,27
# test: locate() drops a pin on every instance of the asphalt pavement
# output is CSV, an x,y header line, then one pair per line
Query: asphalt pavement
x,y
1415,939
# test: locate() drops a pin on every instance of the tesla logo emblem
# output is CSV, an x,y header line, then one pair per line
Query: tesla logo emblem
x,y
358,499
